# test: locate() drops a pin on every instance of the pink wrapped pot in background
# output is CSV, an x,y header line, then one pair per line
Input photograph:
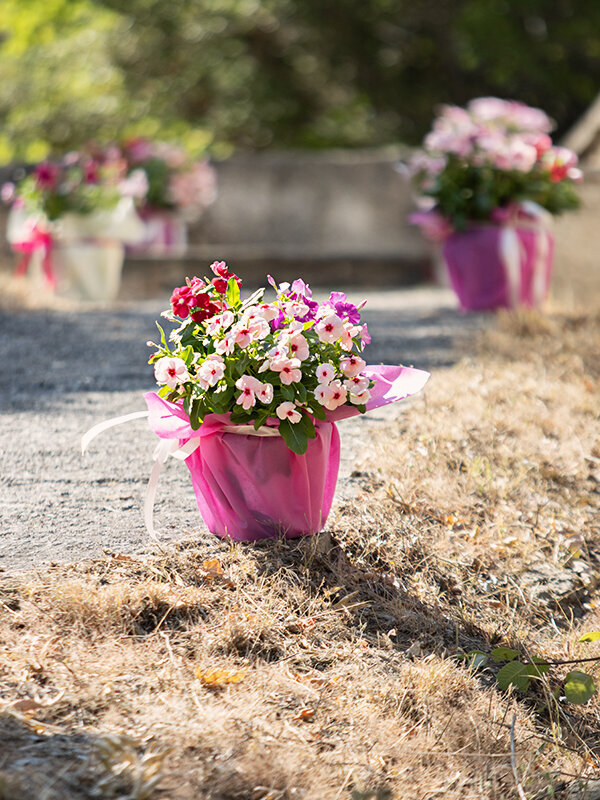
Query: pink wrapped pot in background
x,y
494,266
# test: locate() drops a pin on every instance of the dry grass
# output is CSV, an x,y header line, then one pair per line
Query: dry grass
x,y
327,668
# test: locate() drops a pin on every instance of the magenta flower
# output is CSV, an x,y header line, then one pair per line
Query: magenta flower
x,y
46,176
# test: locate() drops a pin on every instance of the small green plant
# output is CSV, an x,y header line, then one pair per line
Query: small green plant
x,y
518,671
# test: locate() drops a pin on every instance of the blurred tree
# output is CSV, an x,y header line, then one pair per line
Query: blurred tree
x,y
259,73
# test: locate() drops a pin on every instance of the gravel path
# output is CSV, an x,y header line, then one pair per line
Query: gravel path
x,y
66,371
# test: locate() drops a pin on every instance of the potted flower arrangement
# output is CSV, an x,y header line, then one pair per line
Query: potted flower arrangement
x,y
179,190
76,216
250,393
489,180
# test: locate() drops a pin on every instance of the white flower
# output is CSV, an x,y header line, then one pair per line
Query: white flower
x,y
338,396
352,365
330,328
288,411
211,371
360,399
171,371
265,393
325,373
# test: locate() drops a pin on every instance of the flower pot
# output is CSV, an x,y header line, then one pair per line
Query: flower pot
x,y
89,269
499,266
253,487
165,234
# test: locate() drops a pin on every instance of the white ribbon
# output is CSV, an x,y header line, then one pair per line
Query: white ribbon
x,y
510,254
511,251
164,449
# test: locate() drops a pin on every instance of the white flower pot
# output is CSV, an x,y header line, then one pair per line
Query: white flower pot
x,y
88,269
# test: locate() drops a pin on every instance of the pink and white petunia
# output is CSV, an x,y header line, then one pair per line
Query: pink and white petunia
x,y
287,369
325,373
288,411
330,328
339,395
352,365
171,371
248,386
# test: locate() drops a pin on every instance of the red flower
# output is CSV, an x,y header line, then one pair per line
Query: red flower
x,y
182,300
46,175
208,311
223,275
90,172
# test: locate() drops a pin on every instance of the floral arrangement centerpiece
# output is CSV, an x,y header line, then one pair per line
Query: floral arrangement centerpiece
x,y
489,179
292,360
250,393
178,191
62,204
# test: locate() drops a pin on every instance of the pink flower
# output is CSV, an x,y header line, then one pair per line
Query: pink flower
x,y
8,192
171,371
46,176
242,335
288,411
297,345
357,384
352,365
267,311
339,395
287,369
265,393
360,399
225,346
325,373
248,386
323,393
330,328
211,371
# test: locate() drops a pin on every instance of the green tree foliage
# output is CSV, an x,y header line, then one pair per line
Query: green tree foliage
x,y
260,73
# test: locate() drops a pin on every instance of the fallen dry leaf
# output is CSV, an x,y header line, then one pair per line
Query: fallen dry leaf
x,y
217,678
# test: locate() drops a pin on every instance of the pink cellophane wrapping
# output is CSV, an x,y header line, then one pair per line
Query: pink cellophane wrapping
x,y
478,274
253,487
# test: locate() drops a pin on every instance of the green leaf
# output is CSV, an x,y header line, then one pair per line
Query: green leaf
x,y
514,674
195,419
163,338
261,418
308,426
294,436
476,658
592,636
288,393
300,392
579,687
221,401
233,293
317,410
504,654
539,668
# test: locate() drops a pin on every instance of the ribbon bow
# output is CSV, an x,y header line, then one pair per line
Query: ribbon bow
x,y
39,240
